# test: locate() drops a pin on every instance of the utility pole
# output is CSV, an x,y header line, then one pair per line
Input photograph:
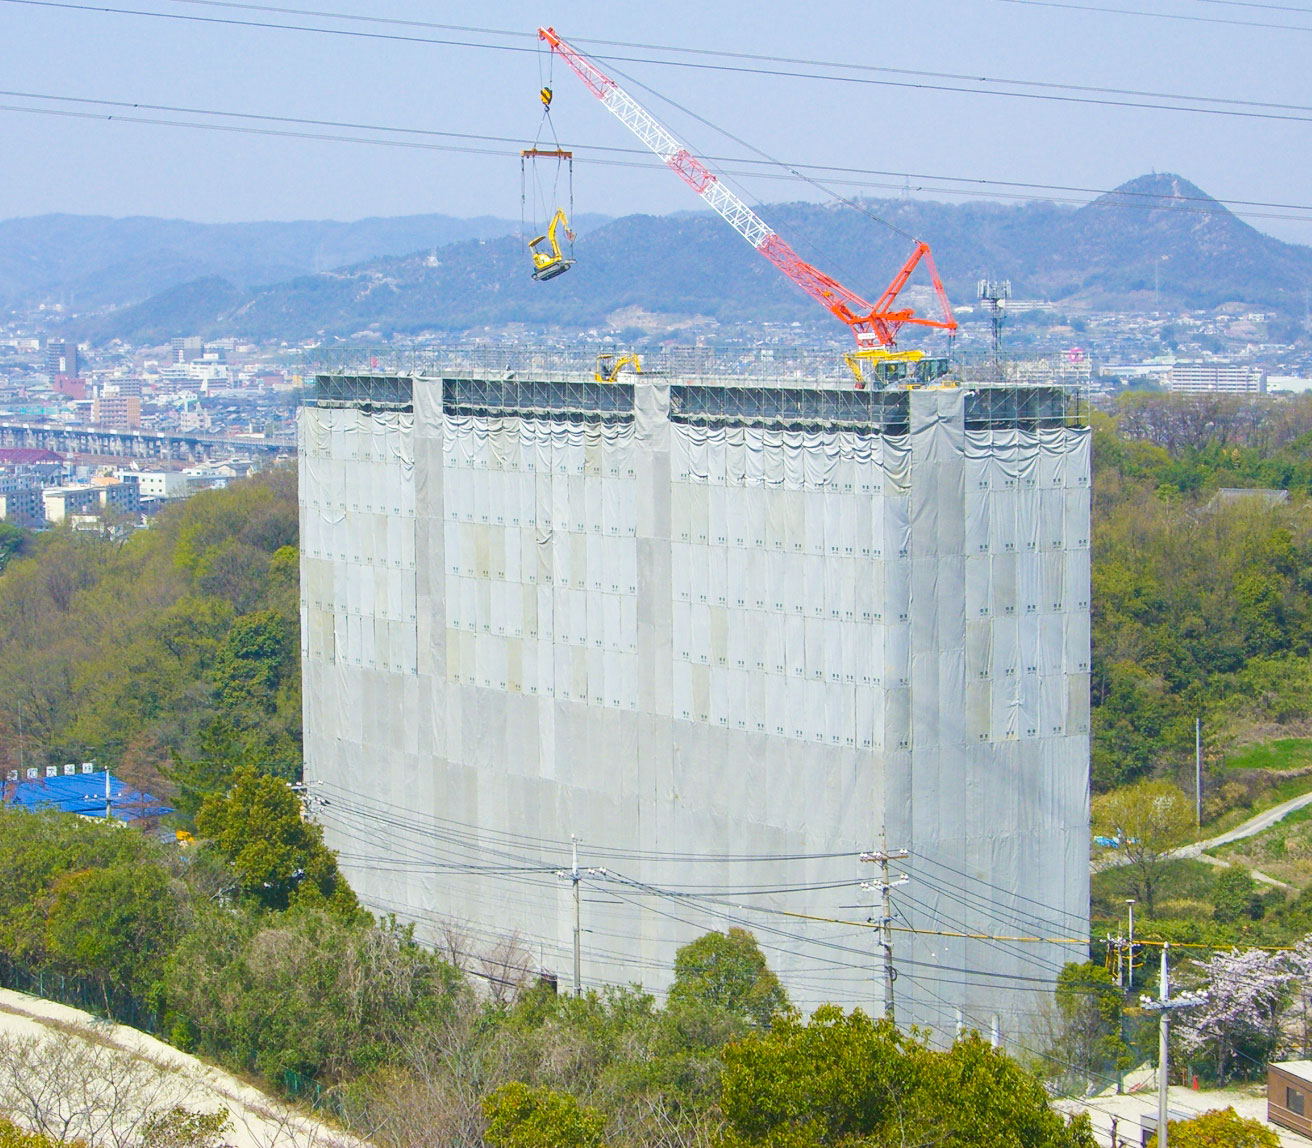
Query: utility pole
x,y
1129,975
885,886
574,877
1164,1006
107,802
1198,771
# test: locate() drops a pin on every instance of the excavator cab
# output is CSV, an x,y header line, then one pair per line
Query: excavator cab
x,y
548,258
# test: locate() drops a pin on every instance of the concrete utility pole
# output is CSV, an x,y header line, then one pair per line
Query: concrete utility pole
x,y
574,877
885,886
1129,975
1163,1006
1198,771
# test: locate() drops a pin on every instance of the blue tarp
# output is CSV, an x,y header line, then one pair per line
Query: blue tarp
x,y
84,794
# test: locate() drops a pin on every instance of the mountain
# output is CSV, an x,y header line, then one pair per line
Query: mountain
x,y
1156,238
87,261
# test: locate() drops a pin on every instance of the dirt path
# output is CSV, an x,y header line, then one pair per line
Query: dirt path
x,y
125,1071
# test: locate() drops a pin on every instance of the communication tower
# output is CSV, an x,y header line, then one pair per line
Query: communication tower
x,y
995,292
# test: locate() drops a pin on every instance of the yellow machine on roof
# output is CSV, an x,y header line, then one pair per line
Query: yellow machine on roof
x,y
609,366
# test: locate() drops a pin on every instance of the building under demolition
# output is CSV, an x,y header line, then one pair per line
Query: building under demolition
x,y
727,635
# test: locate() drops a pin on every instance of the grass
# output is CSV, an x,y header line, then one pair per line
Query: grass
x,y
1184,881
1281,754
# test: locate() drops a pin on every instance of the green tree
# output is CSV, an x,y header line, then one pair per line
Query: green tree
x,y
276,854
12,1136
113,926
849,1080
179,1128
728,971
1149,818
1089,1043
1235,897
519,1116
1219,1128
13,541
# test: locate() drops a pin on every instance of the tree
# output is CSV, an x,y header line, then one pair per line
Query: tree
x,y
113,926
1089,1042
275,853
1219,1128
849,1080
522,1117
1234,896
728,971
1238,1025
177,1127
1148,818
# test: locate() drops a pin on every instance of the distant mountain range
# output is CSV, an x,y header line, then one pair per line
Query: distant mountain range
x,y
1156,239
89,261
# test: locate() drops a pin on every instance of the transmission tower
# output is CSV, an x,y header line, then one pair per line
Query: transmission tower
x,y
995,292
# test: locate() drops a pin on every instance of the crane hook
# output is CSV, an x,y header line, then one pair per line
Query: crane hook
x,y
545,95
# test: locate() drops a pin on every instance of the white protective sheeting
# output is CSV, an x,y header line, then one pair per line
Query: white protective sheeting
x,y
726,658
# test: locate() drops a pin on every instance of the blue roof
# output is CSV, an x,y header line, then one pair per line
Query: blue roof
x,y
83,794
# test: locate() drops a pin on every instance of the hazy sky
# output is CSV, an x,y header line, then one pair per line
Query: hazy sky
x,y
1222,49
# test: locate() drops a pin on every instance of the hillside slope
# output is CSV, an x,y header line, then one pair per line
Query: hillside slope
x,y
1156,239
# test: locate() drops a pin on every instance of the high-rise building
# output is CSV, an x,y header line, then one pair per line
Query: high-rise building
x,y
61,358
719,640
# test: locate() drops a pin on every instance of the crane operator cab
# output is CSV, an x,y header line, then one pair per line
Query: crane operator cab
x,y
548,258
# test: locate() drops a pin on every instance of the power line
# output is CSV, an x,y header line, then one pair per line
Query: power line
x,y
974,187
1193,19
941,81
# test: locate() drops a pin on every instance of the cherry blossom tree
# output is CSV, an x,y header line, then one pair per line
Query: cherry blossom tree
x,y
1238,1025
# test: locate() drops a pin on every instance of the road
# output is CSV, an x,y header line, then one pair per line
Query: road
x,y
1250,828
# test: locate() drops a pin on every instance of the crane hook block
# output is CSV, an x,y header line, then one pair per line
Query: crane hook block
x,y
545,95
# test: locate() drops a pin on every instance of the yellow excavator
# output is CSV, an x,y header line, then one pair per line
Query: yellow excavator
x,y
609,366
548,259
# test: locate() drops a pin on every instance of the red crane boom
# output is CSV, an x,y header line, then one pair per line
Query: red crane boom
x,y
872,323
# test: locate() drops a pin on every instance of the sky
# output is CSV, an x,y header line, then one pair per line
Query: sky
x,y
483,83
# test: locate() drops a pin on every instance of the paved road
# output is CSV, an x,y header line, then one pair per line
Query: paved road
x,y
1249,828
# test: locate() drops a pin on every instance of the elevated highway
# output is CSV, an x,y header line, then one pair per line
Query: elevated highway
x,y
105,442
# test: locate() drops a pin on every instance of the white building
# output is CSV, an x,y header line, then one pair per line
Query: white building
x,y
1193,377
726,637
162,483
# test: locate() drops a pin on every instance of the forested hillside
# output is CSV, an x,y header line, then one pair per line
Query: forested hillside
x,y
1201,602
171,656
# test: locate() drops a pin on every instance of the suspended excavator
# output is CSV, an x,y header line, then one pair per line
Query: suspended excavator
x,y
874,325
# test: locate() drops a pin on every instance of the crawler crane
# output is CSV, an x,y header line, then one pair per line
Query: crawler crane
x,y
875,325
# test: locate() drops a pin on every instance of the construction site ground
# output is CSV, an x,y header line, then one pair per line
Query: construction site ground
x,y
1139,1099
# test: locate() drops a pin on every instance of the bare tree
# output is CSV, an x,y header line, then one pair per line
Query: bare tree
x,y
70,1087
504,967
